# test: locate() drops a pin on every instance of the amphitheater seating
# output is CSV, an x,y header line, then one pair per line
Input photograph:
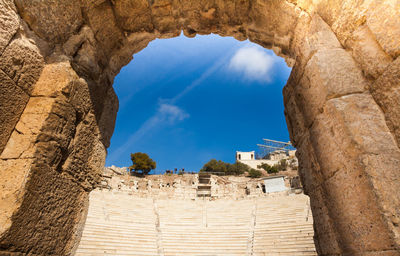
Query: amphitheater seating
x,y
121,224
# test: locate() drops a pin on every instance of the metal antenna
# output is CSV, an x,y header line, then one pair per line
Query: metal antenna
x,y
271,146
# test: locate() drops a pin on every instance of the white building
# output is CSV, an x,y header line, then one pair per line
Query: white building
x,y
275,184
274,158
250,159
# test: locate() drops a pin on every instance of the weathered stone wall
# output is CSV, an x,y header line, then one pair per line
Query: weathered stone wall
x,y
185,186
58,108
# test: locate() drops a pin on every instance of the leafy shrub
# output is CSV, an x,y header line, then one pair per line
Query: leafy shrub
x,y
236,168
282,165
253,173
221,168
268,168
214,166
142,164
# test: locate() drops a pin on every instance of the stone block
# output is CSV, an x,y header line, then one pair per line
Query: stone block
x,y
108,35
19,146
74,42
55,79
355,210
22,140
97,158
48,214
80,149
134,15
312,35
22,62
381,253
14,175
367,52
386,92
325,237
294,119
382,17
63,18
34,116
309,168
12,103
346,20
329,74
349,126
383,173
108,117
43,120
9,23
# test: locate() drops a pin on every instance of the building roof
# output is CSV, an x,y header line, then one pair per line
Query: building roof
x,y
273,177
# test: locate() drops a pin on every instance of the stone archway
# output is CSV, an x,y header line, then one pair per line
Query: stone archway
x,y
58,108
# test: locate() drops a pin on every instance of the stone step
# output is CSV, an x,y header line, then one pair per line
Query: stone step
x,y
122,240
194,241
114,246
95,251
122,224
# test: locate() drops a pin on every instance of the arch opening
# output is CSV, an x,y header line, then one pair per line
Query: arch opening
x,y
194,99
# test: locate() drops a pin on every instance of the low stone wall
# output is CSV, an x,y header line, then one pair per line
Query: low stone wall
x,y
184,186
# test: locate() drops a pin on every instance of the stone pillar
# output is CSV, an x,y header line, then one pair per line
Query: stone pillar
x,y
349,159
53,158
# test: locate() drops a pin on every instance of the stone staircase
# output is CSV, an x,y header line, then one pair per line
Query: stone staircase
x,y
204,186
122,224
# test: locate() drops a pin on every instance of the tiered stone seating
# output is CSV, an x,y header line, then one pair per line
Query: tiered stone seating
x,y
122,224
203,228
283,227
118,224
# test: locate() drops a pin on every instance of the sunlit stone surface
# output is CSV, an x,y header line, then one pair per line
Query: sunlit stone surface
x,y
57,108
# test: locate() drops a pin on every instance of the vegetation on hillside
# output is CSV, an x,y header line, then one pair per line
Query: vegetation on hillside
x,y
221,168
282,165
269,169
142,164
253,173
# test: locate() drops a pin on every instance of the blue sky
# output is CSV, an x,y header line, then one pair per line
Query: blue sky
x,y
185,101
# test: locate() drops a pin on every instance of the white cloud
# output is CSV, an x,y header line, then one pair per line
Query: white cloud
x,y
171,113
167,114
253,63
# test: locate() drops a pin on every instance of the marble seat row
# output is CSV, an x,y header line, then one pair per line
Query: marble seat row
x,y
122,224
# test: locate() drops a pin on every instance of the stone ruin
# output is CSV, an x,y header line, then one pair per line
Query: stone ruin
x,y
58,107
166,215
189,186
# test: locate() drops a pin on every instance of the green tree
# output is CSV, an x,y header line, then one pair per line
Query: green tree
x,y
282,165
269,169
141,164
253,173
215,167
221,168
236,168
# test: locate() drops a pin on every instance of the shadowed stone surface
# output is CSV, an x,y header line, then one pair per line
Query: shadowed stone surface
x,y
58,108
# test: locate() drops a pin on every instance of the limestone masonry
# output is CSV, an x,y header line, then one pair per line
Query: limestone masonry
x,y
58,109
193,186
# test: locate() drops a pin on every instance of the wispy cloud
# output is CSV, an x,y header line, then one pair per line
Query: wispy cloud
x,y
253,63
166,114
171,114
217,65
